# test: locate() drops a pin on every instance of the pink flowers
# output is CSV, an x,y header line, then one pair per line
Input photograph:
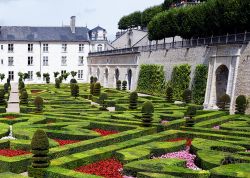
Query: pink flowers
x,y
217,127
105,132
66,142
163,122
12,153
185,155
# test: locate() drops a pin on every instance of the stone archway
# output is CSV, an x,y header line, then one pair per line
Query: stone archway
x,y
117,74
106,77
222,74
129,78
98,73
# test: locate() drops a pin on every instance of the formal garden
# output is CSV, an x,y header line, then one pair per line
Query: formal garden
x,y
85,130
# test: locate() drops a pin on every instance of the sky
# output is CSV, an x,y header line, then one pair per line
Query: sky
x,y
105,13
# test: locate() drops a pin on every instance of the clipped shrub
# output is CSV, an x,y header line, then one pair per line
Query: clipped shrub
x,y
2,77
241,104
147,113
24,97
91,79
124,85
74,90
169,95
224,102
25,76
102,98
2,100
199,84
73,74
65,76
8,81
56,74
95,79
190,113
40,150
38,74
151,79
97,89
230,160
38,102
92,87
6,87
133,100
187,96
118,84
47,79
21,85
73,81
57,83
60,79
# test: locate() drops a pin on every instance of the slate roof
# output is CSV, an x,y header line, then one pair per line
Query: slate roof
x,y
97,29
36,34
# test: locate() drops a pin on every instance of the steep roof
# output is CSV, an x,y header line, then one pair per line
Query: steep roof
x,y
26,33
97,29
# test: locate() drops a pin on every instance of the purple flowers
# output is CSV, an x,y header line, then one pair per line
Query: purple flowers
x,y
217,127
185,155
163,122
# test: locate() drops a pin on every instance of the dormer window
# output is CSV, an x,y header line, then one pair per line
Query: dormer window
x,y
99,48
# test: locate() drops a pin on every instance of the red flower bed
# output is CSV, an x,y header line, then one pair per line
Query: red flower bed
x,y
10,117
188,140
35,91
105,132
108,168
12,153
66,142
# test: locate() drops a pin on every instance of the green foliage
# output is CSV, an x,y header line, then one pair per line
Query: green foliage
x,y
151,79
56,74
74,90
118,84
20,74
38,74
73,80
57,83
241,104
38,102
147,113
224,102
65,76
149,13
169,95
190,113
167,4
24,97
199,83
92,87
97,89
95,79
2,76
91,79
102,98
21,85
133,100
187,96
47,77
40,150
61,79
129,21
73,73
124,85
2,101
180,80
6,87
25,76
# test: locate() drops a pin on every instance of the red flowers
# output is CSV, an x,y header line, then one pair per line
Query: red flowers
x,y
108,168
188,140
10,117
105,132
66,142
12,153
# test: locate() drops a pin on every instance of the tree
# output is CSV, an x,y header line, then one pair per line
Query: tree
x,y
124,85
224,102
130,21
6,87
74,90
97,89
169,95
73,74
25,76
21,85
2,100
91,79
167,4
24,97
187,96
133,100
65,76
191,112
40,150
241,104
20,74
57,83
56,74
102,98
2,76
118,84
149,13
38,102
147,113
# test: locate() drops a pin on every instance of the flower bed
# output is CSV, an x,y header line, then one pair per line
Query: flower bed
x,y
12,153
9,117
66,142
105,132
108,168
35,91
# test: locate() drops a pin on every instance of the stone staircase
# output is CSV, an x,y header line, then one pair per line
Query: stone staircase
x,y
13,103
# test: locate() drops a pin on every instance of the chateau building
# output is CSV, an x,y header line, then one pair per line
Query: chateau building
x,y
47,50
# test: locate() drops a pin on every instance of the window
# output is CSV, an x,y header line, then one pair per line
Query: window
x,y
30,48
64,48
45,60
81,60
10,61
11,75
99,48
64,61
63,72
81,47
30,75
2,61
45,48
10,48
1,47
80,74
30,61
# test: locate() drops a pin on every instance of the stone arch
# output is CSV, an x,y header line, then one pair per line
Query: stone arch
x,y
98,73
106,77
130,75
117,74
222,73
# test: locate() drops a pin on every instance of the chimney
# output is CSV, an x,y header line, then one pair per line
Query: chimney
x,y
73,24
